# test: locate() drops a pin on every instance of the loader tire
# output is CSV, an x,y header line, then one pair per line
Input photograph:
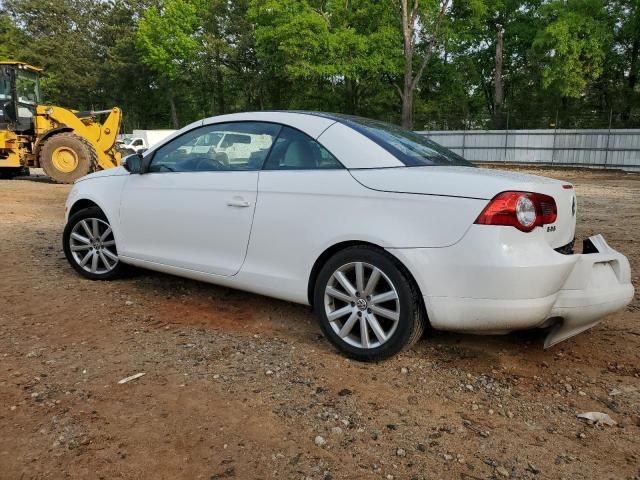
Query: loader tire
x,y
65,157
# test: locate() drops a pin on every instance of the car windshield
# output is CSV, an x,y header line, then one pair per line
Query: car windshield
x,y
410,148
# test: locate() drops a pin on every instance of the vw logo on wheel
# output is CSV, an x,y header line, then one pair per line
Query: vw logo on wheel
x,y
361,304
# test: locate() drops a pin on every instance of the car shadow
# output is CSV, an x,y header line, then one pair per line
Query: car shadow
x,y
177,301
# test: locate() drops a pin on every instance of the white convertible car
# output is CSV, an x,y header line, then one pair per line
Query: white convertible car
x,y
378,228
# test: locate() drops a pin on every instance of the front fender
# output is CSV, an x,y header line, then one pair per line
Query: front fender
x,y
105,192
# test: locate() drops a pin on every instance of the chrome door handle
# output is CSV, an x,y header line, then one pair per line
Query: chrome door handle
x,y
238,202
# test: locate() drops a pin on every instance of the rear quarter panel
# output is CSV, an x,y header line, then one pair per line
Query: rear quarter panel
x,y
299,214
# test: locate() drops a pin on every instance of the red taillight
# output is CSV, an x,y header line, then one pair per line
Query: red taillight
x,y
523,210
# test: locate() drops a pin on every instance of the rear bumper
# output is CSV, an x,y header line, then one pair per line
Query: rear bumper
x,y
599,284
492,282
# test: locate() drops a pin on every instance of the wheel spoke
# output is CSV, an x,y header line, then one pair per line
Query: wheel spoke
x,y
105,234
109,243
341,312
77,248
110,254
86,258
105,262
348,325
364,332
80,238
332,292
346,284
359,277
96,230
385,312
376,327
384,297
373,281
87,229
94,263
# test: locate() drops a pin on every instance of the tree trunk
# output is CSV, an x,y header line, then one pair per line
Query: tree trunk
x,y
219,84
407,110
220,91
174,112
352,91
407,84
498,96
633,78
410,82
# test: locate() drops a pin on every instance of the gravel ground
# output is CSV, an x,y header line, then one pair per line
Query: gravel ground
x,y
242,386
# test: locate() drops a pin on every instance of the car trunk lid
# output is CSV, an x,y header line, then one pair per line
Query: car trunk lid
x,y
478,183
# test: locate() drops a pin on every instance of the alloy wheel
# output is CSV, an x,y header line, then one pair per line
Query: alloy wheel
x,y
93,246
362,305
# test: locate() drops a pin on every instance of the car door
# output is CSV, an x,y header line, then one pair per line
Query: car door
x,y
194,207
305,197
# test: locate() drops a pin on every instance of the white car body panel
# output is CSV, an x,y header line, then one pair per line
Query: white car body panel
x,y
263,231
206,219
476,183
355,150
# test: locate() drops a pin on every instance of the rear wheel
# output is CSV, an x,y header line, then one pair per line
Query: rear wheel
x,y
90,246
367,304
66,156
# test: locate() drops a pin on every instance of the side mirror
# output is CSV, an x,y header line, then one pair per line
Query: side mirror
x,y
132,163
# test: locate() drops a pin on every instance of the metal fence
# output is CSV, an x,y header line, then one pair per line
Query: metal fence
x,y
606,148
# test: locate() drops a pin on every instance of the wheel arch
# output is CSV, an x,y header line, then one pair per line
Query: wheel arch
x,y
88,202
333,249
83,203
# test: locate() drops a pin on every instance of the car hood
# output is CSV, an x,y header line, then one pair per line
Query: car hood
x,y
109,172
477,183
467,182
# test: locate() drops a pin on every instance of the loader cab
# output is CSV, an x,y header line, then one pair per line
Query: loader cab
x,y
19,95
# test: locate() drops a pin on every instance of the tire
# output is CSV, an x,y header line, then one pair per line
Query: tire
x,y
106,265
65,157
398,316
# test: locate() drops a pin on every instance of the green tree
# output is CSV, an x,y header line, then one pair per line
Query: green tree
x,y
9,38
421,29
572,44
168,38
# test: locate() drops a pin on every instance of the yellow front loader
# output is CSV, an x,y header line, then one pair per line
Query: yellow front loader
x,y
66,144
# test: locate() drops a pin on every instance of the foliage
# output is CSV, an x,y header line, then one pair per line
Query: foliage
x,y
173,61
572,43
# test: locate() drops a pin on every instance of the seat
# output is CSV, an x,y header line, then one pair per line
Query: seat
x,y
299,155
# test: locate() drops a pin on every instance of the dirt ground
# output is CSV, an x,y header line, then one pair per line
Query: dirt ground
x,y
239,386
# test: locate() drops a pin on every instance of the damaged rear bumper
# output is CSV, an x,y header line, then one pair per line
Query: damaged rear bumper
x,y
497,281
599,284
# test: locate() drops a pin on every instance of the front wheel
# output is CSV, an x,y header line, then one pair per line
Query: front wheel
x,y
65,157
367,304
90,246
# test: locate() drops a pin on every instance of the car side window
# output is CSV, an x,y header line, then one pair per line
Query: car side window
x,y
294,150
217,147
